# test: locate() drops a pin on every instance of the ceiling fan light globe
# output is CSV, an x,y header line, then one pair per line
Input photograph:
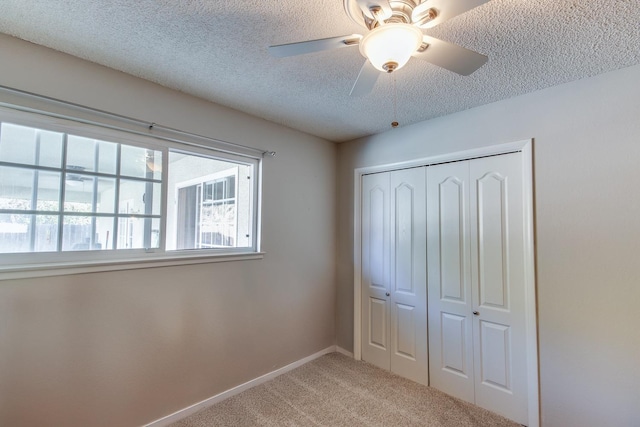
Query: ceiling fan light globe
x,y
390,43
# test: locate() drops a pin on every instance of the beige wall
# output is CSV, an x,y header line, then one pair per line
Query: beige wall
x,y
125,348
587,219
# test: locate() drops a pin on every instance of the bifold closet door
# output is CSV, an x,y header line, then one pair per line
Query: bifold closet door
x,y
375,269
477,331
394,318
498,284
449,267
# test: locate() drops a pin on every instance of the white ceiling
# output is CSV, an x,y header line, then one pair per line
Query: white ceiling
x,y
217,50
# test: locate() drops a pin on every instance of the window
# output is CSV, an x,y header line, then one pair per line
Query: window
x,y
74,191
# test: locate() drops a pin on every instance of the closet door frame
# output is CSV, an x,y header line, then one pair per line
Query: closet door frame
x,y
526,148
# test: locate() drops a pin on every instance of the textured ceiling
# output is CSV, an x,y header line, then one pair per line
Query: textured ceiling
x,y
217,50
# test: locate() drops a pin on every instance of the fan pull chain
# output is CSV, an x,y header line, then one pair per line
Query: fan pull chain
x,y
394,123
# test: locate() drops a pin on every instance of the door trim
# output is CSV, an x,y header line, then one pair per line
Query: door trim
x,y
526,148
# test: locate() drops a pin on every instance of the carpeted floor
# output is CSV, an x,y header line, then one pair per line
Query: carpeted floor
x,y
336,390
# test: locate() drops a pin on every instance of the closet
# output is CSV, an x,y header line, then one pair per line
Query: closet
x,y
443,264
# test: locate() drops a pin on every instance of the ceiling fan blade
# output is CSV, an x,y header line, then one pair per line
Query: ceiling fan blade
x,y
450,56
300,48
445,9
366,80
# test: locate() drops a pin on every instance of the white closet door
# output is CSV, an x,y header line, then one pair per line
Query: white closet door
x,y
448,265
477,330
408,305
497,265
375,270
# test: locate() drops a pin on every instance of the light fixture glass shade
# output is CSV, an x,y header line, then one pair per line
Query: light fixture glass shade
x,y
390,46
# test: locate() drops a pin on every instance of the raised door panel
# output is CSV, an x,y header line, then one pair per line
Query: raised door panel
x,y
376,238
496,362
453,236
454,344
378,323
408,275
497,265
449,285
375,269
493,244
404,229
405,331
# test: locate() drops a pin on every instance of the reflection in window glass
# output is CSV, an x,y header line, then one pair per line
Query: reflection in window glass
x,y
139,197
138,162
106,200
78,195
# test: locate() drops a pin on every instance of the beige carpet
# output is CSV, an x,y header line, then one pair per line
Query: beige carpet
x,y
335,390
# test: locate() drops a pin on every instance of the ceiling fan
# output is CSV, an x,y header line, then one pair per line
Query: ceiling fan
x,y
395,36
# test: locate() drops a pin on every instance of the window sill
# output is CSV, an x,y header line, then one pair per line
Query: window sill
x,y
68,268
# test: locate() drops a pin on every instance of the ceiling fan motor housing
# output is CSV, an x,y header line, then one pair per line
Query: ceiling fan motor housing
x,y
369,13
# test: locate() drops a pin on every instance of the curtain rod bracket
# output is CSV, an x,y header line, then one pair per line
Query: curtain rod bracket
x,y
268,153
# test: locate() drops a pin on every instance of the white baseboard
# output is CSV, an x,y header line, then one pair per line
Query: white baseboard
x,y
343,351
183,413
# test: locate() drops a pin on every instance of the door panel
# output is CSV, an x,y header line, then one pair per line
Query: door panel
x,y
449,275
452,242
454,344
408,276
375,270
404,228
376,237
378,323
495,343
493,248
497,263
405,337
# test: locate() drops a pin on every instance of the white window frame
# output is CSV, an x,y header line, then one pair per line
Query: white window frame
x,y
40,264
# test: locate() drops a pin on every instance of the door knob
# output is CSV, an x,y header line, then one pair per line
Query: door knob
x,y
476,313
387,294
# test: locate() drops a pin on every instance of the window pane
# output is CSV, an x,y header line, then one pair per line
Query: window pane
x,y
16,188
140,162
78,196
46,233
139,197
138,233
48,191
91,155
104,232
77,233
107,157
15,233
213,201
50,149
106,202
81,154
17,144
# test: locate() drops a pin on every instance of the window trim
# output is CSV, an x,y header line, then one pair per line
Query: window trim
x,y
39,264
